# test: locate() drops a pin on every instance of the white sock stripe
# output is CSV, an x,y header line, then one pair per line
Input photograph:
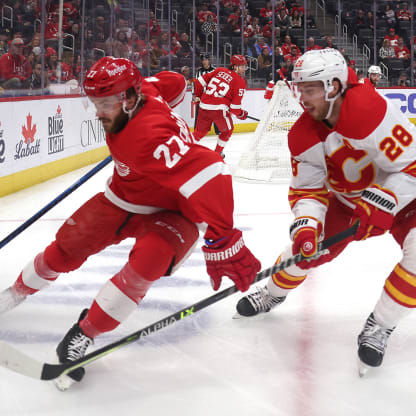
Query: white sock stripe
x,y
31,279
114,302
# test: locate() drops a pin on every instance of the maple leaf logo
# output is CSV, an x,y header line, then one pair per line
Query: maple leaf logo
x,y
58,111
29,132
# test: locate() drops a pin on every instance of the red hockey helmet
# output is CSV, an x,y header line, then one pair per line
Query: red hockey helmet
x,y
111,76
238,60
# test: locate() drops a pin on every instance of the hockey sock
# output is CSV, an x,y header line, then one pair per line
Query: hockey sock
x,y
35,276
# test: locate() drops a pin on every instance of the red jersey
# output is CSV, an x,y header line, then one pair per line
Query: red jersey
x,y
158,166
171,86
221,89
366,81
16,66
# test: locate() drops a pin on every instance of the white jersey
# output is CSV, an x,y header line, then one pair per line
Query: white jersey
x,y
372,144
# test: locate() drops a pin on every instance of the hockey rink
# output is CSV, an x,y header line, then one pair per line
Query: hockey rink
x,y
298,360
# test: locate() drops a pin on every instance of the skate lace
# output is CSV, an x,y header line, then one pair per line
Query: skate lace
x,y
263,301
375,336
77,347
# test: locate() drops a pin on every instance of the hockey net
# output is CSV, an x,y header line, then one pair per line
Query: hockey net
x,y
267,158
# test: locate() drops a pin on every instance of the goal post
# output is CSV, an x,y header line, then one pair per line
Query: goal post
x,y
267,157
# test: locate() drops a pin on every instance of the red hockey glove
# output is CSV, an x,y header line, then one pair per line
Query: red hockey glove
x,y
376,211
305,232
230,257
243,115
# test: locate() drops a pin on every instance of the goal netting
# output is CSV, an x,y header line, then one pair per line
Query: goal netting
x,y
267,158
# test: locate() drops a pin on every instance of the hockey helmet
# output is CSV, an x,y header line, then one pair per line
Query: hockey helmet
x,y
374,69
321,65
204,56
238,60
112,76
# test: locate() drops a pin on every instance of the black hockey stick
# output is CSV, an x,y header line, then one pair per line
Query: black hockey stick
x,y
15,360
253,118
54,202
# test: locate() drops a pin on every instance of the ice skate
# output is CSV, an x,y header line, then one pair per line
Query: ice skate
x,y
260,301
9,299
71,348
372,343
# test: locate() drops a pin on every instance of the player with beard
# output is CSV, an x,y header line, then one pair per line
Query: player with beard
x,y
163,185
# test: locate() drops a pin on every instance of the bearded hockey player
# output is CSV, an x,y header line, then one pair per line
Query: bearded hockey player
x,y
163,184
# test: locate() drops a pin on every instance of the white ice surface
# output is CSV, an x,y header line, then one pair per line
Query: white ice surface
x,y
298,360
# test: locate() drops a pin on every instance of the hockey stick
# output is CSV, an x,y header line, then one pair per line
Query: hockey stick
x,y
51,204
253,118
19,362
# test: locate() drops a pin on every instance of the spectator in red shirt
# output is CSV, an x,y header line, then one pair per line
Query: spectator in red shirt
x,y
293,55
403,13
310,44
266,13
287,45
392,37
401,50
204,12
14,67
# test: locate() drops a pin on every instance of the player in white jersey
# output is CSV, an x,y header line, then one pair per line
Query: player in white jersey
x,y
353,158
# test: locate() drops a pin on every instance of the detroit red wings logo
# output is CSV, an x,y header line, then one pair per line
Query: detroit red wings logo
x,y
29,131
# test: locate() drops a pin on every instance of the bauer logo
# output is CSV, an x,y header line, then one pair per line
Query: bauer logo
x,y
92,133
56,132
29,145
2,146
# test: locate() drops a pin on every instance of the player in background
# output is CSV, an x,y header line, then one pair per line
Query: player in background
x,y
163,184
204,69
374,73
220,93
353,158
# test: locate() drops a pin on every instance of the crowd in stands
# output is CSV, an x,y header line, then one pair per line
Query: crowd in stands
x,y
153,49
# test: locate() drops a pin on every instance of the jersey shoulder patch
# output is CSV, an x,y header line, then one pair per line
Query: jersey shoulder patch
x,y
362,110
306,133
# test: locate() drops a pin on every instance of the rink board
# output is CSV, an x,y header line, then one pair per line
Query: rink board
x,y
42,139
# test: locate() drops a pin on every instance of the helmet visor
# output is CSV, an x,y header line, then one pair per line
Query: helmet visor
x,y
305,92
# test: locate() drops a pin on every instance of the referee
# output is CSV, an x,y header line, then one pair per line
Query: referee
x,y
204,69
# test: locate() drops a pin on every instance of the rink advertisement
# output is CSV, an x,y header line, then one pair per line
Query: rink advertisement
x,y
46,138
42,139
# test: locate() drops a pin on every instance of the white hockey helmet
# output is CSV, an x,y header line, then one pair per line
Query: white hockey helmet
x,y
374,69
321,65
324,65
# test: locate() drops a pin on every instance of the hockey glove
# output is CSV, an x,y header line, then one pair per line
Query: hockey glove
x,y
230,257
304,233
268,93
375,210
243,115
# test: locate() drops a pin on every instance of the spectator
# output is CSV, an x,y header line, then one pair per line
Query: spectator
x,y
359,21
403,81
310,44
386,52
260,44
100,32
310,20
293,55
278,57
74,40
329,43
389,16
14,67
401,50
392,37
254,29
403,14
154,29
249,49
283,23
266,13
295,19
204,13
360,75
344,54
369,19
264,61
287,46
208,27
352,65
34,82
186,72
186,48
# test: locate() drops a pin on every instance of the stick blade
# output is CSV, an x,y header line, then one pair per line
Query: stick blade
x,y
17,361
